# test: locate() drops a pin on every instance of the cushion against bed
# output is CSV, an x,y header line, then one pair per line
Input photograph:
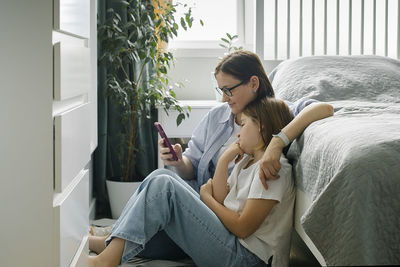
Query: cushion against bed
x,y
330,78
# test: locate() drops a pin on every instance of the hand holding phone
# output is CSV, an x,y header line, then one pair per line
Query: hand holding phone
x,y
166,141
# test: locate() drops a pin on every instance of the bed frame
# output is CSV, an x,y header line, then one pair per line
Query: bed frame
x,y
297,28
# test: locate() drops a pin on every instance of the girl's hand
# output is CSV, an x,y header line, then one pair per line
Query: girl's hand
x,y
269,164
206,191
166,155
233,152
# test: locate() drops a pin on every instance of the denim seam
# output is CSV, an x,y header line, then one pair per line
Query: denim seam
x,y
157,196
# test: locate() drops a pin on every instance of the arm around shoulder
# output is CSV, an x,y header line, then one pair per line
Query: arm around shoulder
x,y
270,166
311,113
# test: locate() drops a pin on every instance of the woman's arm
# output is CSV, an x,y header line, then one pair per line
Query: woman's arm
x,y
183,167
241,225
187,163
185,170
269,165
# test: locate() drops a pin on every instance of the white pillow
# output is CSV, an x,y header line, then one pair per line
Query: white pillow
x,y
330,78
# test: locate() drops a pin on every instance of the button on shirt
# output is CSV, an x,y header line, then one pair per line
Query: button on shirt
x,y
212,133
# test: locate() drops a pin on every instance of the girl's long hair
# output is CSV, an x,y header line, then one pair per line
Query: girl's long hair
x,y
271,114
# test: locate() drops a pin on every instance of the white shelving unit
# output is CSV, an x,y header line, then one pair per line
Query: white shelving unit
x,y
48,117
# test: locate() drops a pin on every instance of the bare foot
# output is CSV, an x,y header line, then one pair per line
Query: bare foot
x,y
97,243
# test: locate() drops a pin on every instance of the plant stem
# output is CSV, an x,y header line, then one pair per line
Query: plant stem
x,y
130,158
131,144
123,70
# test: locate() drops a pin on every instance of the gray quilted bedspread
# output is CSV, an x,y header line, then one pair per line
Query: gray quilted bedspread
x,y
350,165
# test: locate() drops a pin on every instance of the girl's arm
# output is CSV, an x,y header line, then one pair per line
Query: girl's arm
x,y
219,182
241,225
269,165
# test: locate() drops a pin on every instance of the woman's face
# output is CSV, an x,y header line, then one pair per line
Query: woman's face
x,y
249,135
241,95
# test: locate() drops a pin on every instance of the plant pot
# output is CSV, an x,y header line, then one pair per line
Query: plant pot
x,y
119,193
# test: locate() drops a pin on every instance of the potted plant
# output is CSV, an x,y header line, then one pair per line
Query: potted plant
x,y
132,42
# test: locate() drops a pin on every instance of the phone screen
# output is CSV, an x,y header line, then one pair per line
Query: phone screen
x,y
166,141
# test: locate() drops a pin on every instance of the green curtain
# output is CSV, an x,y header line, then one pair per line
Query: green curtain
x,y
106,162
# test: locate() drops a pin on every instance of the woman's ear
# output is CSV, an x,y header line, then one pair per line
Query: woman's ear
x,y
254,83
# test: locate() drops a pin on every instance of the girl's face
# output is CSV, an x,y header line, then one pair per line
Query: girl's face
x,y
241,95
249,135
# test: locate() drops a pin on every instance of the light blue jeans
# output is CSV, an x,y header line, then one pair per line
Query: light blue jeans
x,y
165,208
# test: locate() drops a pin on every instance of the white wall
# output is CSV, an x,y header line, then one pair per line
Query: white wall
x,y
195,73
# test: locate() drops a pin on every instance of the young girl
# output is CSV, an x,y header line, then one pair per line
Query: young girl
x,y
233,222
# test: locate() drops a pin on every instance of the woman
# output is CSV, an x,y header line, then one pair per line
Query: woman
x,y
233,222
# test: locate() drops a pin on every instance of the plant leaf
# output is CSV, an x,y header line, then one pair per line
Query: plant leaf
x,y
225,40
179,119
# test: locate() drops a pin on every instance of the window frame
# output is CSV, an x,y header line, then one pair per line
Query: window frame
x,y
211,48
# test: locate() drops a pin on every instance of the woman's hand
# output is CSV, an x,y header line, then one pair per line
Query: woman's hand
x,y
206,191
269,164
233,152
166,155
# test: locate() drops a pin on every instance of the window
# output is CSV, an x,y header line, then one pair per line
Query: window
x,y
295,28
219,17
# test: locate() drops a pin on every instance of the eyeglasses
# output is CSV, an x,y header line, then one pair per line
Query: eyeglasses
x,y
228,91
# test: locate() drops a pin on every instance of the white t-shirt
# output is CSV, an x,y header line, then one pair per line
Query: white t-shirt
x,y
272,238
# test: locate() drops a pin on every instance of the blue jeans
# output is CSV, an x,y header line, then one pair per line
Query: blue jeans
x,y
165,204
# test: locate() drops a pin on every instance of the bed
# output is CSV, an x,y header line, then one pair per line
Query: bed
x,y
347,167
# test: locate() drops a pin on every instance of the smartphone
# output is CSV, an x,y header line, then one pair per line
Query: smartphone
x,y
166,141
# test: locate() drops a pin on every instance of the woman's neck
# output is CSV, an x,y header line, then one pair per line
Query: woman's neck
x,y
237,118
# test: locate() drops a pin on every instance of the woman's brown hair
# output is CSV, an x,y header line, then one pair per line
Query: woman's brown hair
x,y
271,114
242,65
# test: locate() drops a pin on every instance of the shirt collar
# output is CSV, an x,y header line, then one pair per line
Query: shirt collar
x,y
227,115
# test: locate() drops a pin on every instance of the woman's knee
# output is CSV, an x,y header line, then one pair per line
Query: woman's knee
x,y
161,172
160,182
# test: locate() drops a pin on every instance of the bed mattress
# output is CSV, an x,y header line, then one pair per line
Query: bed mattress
x,y
349,165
